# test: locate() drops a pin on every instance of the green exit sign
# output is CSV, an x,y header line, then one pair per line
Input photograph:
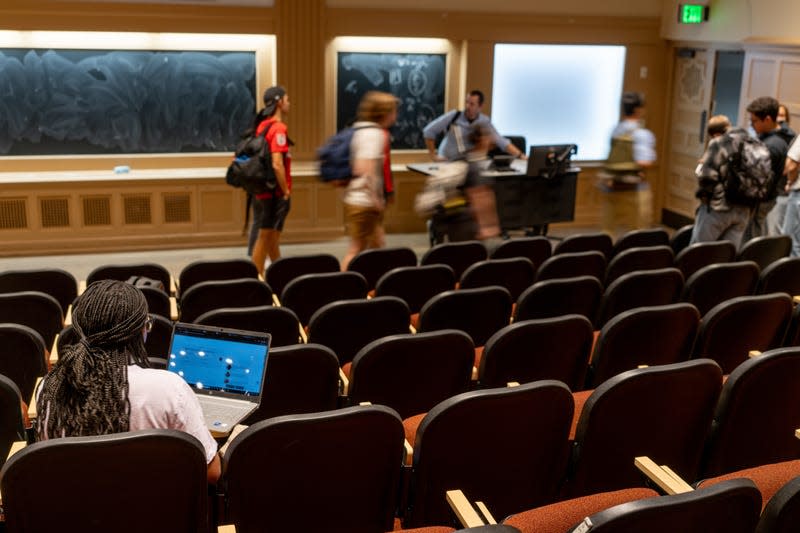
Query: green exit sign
x,y
692,13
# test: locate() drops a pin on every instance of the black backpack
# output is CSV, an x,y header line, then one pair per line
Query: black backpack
x,y
251,168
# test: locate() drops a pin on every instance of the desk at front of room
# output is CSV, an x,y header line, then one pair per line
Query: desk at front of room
x,y
524,201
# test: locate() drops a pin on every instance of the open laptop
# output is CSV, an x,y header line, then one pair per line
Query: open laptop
x,y
225,368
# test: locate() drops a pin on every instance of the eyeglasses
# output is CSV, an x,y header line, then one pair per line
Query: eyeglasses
x,y
148,325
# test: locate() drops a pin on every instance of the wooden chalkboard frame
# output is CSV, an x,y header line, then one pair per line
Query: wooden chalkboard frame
x,y
419,80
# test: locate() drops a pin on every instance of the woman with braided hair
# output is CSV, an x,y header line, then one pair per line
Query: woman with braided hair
x,y
102,384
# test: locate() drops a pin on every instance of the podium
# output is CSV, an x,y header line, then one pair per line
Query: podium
x,y
528,201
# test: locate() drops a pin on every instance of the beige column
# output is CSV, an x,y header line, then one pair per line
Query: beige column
x,y
300,30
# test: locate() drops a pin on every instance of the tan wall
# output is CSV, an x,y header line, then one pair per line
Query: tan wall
x,y
304,30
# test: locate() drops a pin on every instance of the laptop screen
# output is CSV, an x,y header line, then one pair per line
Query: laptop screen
x,y
219,359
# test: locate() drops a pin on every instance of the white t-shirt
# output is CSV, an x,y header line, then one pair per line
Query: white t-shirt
x,y
794,155
162,400
368,143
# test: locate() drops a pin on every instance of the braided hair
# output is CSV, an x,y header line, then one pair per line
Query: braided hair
x,y
86,392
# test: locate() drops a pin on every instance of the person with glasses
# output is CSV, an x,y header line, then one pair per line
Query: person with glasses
x,y
103,384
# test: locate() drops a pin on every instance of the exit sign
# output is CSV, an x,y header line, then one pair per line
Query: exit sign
x,y
692,13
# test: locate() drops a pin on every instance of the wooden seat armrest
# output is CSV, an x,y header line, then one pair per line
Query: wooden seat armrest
x,y
412,329
345,382
173,308
664,477
16,446
303,334
52,358
474,376
753,353
464,511
512,384
32,414
68,316
228,528
173,287
275,300
797,433
409,451
81,287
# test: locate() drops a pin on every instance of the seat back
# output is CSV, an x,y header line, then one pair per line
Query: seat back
x,y
782,512
537,249
125,272
733,328
284,269
782,275
375,262
639,238
570,265
58,283
412,373
586,242
173,460
663,412
279,469
301,378
157,302
209,295
656,335
347,326
456,255
639,258
714,284
730,507
555,297
640,289
22,356
218,270
681,238
765,250
548,348
757,414
416,285
515,274
307,293
11,428
477,312
40,312
280,322
514,462
701,254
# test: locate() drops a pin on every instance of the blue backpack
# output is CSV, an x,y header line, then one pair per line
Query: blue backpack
x,y
334,157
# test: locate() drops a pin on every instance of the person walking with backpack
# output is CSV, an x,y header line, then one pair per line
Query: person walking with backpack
x,y
270,214
764,120
627,199
718,218
791,223
365,198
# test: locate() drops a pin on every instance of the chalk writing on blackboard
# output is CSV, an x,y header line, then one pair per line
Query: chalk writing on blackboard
x,y
105,101
418,81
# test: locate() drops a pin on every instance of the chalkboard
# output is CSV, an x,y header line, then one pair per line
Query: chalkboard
x,y
55,102
418,81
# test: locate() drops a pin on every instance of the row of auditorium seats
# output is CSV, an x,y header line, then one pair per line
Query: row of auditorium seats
x,y
508,447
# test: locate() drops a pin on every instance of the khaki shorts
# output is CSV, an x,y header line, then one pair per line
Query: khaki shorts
x,y
362,223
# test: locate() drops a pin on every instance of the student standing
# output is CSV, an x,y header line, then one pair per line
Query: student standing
x,y
364,197
274,206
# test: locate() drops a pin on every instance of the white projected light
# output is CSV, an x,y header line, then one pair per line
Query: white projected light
x,y
559,94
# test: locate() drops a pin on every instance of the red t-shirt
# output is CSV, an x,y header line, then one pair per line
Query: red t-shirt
x,y
278,143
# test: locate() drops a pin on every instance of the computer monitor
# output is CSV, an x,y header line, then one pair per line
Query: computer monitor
x,y
548,161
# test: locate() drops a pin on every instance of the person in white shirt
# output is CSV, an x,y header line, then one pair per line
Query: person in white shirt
x,y
101,384
364,198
